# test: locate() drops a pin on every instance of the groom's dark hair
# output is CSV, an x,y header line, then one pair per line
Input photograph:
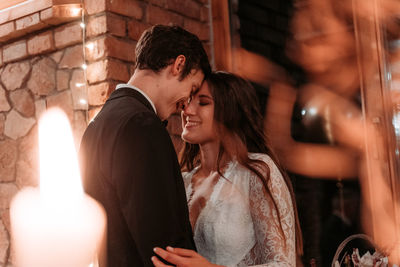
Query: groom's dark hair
x,y
161,44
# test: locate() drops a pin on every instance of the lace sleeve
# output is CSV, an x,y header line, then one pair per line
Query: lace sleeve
x,y
272,248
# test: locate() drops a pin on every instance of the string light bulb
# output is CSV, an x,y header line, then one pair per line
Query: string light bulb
x,y
75,11
90,46
84,85
79,84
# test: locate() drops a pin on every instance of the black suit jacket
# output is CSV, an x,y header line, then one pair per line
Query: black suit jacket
x,y
129,165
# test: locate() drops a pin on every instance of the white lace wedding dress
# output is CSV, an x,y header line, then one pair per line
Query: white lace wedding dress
x,y
238,225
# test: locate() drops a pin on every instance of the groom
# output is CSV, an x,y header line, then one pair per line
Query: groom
x,y
128,160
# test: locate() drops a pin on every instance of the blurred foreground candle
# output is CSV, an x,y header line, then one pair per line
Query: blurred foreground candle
x,y
57,224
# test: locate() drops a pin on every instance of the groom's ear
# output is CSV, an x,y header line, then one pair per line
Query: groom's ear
x,y
178,65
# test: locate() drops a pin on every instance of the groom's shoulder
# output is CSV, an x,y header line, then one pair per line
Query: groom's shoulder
x,y
145,125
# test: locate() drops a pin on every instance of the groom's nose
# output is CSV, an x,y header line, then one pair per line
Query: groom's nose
x,y
189,109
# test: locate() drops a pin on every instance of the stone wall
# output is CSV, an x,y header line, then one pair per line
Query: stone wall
x,y
43,68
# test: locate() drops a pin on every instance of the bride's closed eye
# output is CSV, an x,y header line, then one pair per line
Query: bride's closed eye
x,y
204,103
205,100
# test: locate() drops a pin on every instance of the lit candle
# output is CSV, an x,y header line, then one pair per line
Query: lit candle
x,y
57,224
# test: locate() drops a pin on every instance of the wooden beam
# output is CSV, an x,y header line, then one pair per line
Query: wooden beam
x,y
9,3
23,8
221,35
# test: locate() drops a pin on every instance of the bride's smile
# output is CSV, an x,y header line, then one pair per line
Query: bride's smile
x,y
191,123
198,122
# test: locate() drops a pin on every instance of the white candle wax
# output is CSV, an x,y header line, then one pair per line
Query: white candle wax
x,y
57,224
47,236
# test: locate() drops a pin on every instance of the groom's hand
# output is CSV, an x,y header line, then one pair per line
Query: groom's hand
x,y
180,257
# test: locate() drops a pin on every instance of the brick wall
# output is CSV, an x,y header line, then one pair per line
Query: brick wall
x,y
41,67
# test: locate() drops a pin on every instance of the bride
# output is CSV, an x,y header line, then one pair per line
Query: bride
x,y
241,203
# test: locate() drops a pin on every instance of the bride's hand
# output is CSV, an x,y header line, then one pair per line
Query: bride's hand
x,y
180,257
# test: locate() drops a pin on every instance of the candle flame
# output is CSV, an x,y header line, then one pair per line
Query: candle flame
x,y
60,180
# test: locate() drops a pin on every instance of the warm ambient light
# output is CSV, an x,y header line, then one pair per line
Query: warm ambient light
x,y
57,224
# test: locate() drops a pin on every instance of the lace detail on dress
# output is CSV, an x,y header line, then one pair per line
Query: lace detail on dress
x,y
271,248
239,225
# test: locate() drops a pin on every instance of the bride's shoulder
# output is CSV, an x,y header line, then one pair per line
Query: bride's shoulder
x,y
274,171
263,157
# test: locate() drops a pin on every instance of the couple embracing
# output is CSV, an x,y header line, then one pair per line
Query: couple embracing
x,y
226,202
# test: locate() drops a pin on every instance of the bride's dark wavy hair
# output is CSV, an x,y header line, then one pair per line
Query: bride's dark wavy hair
x,y
240,127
